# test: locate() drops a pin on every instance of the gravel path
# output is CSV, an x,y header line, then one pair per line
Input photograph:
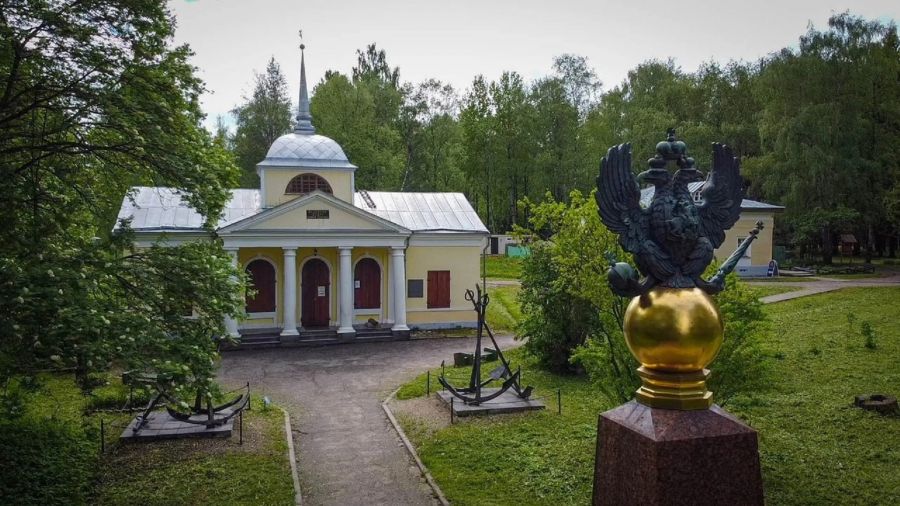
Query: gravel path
x,y
349,453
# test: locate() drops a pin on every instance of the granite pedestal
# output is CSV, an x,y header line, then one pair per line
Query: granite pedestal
x,y
651,456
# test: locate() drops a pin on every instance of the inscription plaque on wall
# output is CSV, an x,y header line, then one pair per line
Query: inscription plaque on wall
x,y
317,214
415,288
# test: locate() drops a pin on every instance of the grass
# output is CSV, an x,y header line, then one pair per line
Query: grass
x,y
203,471
815,447
170,472
503,267
765,291
536,458
855,275
503,313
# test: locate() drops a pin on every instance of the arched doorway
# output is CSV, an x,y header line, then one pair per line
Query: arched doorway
x,y
262,279
367,283
314,290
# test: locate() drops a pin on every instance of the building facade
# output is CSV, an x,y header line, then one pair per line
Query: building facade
x,y
328,261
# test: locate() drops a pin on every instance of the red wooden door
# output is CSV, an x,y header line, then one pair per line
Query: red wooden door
x,y
438,289
262,278
367,283
315,294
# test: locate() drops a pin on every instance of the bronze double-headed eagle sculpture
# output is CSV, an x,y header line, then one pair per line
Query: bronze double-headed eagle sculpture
x,y
672,325
672,240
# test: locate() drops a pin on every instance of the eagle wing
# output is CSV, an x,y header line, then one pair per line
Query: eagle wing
x,y
721,195
619,198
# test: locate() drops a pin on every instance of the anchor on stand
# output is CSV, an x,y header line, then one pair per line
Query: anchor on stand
x,y
472,395
212,415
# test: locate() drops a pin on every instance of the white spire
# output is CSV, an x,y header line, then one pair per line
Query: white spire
x,y
304,118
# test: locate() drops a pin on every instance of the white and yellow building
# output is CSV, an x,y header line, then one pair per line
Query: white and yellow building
x,y
325,258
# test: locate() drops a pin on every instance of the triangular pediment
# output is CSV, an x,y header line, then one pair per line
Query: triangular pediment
x,y
316,211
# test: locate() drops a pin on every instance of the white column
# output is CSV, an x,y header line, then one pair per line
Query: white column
x,y
398,285
345,307
231,326
289,299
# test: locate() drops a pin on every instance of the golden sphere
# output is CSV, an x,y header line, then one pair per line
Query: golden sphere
x,y
674,329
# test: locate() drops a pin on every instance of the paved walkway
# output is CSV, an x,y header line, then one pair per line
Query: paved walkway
x,y
349,454
815,285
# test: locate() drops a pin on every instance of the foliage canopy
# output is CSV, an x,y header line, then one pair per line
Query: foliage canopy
x,y
96,99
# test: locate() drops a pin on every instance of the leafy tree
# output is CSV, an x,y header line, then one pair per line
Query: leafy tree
x,y
478,149
581,84
263,117
372,65
362,114
829,127
346,111
514,150
562,163
432,136
97,99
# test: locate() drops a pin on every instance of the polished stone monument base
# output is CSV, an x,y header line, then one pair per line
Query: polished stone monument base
x,y
652,456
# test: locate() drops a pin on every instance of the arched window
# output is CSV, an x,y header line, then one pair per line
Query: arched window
x,y
262,279
305,183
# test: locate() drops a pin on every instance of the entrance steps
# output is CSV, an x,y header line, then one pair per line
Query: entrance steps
x,y
272,338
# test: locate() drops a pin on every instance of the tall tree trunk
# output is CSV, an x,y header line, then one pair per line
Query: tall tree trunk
x,y
827,244
870,246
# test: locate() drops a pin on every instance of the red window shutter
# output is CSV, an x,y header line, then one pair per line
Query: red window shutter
x,y
438,289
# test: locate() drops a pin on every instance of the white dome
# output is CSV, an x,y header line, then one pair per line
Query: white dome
x,y
306,150
302,148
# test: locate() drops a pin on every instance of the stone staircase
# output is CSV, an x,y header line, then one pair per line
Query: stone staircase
x,y
271,337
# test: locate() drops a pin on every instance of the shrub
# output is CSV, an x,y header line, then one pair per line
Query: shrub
x,y
116,396
564,297
555,321
45,461
740,366
868,333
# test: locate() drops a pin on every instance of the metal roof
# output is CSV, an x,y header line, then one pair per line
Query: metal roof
x,y
158,209
419,212
746,204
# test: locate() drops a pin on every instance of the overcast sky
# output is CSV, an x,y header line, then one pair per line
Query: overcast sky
x,y
454,40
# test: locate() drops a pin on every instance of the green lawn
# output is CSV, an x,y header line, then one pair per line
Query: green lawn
x,y
815,447
203,471
58,458
503,267
765,291
503,312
